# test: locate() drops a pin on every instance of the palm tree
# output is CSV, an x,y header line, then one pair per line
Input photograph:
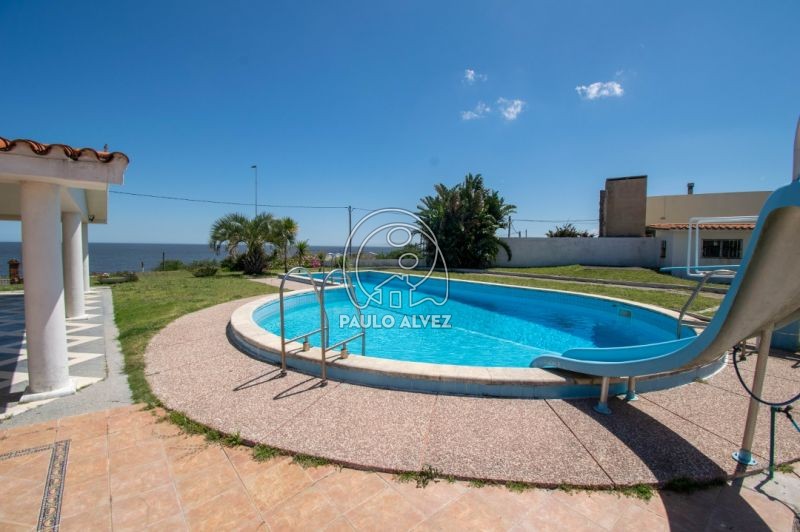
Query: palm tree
x,y
465,220
284,234
232,230
301,250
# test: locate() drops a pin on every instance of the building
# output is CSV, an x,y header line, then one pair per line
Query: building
x,y
56,191
627,211
622,207
719,243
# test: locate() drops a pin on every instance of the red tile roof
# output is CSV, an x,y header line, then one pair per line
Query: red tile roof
x,y
709,226
75,154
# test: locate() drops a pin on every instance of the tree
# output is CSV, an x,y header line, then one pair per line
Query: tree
x,y
284,235
465,220
233,230
568,231
301,251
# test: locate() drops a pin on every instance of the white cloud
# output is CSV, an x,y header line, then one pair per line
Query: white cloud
x,y
510,109
470,76
480,110
600,89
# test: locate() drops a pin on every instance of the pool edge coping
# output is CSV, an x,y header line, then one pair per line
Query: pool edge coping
x,y
255,340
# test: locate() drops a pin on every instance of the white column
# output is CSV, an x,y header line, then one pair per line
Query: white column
x,y
48,373
73,264
87,284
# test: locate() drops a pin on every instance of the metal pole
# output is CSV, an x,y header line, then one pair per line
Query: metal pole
x,y
602,406
255,200
323,340
509,227
772,411
349,231
796,165
744,455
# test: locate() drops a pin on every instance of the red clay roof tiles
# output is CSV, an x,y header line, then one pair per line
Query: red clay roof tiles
x,y
708,226
75,154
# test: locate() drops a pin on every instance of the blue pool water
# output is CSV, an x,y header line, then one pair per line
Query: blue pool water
x,y
478,325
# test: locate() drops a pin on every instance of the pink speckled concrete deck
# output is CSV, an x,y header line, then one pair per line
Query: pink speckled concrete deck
x,y
685,432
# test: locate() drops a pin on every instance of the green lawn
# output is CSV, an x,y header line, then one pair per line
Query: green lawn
x,y
10,287
143,308
638,275
673,300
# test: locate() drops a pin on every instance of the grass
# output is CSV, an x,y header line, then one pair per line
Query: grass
x,y
143,308
636,275
305,461
638,491
672,300
784,468
422,477
264,453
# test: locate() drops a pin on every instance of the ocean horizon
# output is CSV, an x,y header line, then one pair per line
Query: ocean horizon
x,y
108,257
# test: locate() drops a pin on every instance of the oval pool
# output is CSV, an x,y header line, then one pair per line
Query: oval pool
x,y
467,323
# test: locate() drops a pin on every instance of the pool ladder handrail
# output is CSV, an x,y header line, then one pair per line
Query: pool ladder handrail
x,y
294,272
700,283
325,346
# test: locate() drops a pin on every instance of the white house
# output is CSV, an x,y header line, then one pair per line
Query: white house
x,y
56,191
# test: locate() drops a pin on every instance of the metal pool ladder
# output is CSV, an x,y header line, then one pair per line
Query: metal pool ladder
x,y
700,283
319,291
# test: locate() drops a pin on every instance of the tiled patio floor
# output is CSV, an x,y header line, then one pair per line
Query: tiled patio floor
x,y
126,469
85,344
689,431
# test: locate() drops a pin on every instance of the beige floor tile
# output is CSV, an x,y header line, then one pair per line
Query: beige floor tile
x,y
145,509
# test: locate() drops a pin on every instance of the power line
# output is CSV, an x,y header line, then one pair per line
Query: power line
x,y
234,203
276,206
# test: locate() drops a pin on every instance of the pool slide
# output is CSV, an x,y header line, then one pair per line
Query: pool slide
x,y
764,295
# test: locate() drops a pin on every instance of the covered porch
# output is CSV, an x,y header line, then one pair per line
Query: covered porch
x,y
55,191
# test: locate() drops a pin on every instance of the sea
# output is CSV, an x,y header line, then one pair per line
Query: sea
x,y
109,258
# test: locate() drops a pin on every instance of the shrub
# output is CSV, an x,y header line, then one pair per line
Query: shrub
x,y
117,277
203,268
233,264
169,266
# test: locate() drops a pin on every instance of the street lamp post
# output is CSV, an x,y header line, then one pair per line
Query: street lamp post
x,y
255,174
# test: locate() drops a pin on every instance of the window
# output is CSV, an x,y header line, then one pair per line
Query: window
x,y
663,249
722,249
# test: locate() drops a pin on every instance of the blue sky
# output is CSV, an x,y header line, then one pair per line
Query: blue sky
x,y
371,103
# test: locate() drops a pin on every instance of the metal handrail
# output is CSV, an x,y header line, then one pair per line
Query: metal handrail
x,y
324,319
700,283
284,341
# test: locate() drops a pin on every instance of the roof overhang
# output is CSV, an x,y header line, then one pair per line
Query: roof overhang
x,y
84,173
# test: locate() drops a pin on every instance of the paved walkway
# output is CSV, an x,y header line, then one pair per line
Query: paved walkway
x,y
93,357
685,432
126,469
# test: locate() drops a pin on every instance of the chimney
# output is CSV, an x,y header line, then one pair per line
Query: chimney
x,y
690,188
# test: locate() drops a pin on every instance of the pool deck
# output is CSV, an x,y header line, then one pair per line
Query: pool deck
x,y
685,432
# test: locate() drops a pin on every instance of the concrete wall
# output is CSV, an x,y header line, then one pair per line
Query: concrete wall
x,y
588,251
678,209
622,207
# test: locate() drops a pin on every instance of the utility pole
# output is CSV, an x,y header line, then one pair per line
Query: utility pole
x,y
349,230
255,200
509,226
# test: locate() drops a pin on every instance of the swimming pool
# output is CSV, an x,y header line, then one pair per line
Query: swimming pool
x,y
474,325
494,332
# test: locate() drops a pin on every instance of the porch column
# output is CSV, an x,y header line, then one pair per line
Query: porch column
x,y
48,374
87,284
73,264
